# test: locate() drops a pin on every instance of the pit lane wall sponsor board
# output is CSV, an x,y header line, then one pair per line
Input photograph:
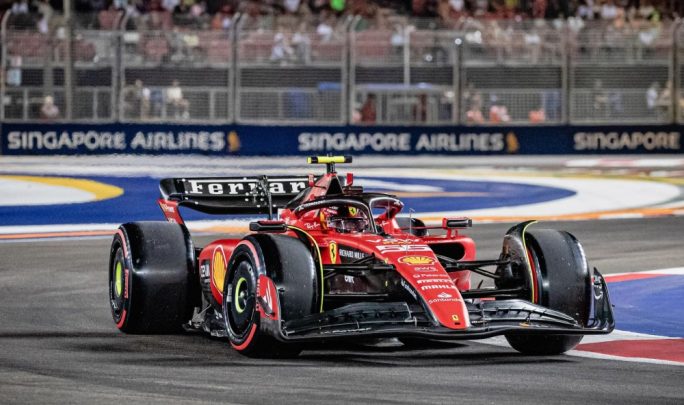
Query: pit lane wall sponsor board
x,y
160,139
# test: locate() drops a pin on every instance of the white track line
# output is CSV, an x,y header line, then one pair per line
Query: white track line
x,y
675,271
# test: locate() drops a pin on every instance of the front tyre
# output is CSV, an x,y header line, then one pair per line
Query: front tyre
x,y
239,300
287,262
562,280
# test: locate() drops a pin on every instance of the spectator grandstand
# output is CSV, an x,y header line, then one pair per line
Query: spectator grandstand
x,y
418,62
447,11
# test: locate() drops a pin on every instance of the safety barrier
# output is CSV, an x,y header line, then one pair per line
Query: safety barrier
x,y
260,140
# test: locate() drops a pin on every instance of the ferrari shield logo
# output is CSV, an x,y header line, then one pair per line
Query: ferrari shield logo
x,y
333,252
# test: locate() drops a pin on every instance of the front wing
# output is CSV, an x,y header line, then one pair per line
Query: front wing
x,y
487,319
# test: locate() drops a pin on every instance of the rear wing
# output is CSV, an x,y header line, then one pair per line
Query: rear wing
x,y
229,195
240,195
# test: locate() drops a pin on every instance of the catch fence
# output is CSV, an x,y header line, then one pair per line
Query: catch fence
x,y
157,67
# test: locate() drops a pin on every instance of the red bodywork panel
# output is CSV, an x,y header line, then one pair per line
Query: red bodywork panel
x,y
170,210
412,256
415,260
217,255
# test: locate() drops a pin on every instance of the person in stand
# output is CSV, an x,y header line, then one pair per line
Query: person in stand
x,y
20,7
301,44
178,105
137,100
537,116
498,112
49,110
420,110
474,114
281,53
368,110
664,101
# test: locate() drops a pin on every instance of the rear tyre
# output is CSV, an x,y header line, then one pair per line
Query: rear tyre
x,y
562,280
150,268
287,262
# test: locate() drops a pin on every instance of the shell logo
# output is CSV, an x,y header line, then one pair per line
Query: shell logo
x,y
218,268
417,260
323,220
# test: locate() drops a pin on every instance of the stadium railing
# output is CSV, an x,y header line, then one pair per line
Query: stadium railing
x,y
174,71
34,64
622,73
403,74
513,72
287,72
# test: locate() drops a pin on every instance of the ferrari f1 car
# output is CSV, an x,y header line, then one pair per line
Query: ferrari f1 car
x,y
333,262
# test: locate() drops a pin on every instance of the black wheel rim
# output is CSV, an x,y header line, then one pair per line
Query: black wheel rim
x,y
242,301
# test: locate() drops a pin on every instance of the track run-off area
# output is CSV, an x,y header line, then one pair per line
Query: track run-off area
x,y
60,344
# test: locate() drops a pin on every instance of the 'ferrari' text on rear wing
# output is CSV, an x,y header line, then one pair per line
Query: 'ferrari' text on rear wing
x,y
241,186
233,195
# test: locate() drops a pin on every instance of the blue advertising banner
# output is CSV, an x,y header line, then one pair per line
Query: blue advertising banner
x,y
248,140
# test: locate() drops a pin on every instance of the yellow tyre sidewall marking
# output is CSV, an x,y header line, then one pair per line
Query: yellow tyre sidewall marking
x,y
117,283
239,284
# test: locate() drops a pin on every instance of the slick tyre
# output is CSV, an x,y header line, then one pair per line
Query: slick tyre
x,y
562,281
286,261
150,268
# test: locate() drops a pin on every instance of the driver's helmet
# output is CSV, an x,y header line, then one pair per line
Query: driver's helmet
x,y
348,220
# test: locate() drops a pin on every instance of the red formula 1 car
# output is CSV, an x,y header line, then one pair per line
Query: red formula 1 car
x,y
338,263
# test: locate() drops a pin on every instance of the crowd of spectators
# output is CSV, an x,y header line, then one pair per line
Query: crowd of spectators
x,y
314,23
447,11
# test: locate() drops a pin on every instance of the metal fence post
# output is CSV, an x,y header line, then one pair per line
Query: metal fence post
x,y
3,62
565,74
347,73
677,44
68,60
457,84
406,33
237,75
233,99
351,85
121,69
117,85
671,114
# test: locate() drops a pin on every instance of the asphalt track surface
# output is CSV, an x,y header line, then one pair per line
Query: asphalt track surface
x,y
58,343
